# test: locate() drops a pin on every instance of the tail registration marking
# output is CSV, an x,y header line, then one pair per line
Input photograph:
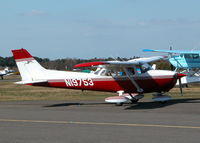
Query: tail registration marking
x,y
80,82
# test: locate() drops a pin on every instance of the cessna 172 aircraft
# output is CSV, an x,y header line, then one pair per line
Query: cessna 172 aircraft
x,y
187,62
130,79
5,72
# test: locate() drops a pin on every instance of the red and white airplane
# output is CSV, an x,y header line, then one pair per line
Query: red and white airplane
x,y
130,79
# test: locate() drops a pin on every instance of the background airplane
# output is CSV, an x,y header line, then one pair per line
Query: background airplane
x,y
5,72
187,62
130,79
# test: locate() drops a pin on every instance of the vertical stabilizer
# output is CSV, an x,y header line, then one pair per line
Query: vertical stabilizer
x,y
29,68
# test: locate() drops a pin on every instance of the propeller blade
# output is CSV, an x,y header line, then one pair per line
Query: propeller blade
x,y
179,76
170,55
180,86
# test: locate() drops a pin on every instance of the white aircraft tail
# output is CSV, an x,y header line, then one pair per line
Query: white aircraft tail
x,y
29,68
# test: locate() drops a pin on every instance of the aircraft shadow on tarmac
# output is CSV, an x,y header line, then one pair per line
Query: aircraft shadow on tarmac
x,y
154,105
75,104
136,106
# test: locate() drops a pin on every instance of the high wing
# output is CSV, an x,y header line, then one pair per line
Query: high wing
x,y
149,59
173,51
138,61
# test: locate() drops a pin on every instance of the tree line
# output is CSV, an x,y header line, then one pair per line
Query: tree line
x,y
68,63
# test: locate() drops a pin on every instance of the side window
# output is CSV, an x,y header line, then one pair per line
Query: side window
x,y
191,56
195,56
143,68
97,71
188,56
103,72
138,69
131,71
121,73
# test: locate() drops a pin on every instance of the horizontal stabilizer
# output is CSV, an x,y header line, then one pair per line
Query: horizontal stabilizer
x,y
32,82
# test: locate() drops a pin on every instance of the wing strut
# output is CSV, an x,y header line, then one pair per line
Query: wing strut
x,y
140,90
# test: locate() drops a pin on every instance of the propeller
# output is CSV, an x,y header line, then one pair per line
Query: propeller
x,y
179,76
170,55
180,86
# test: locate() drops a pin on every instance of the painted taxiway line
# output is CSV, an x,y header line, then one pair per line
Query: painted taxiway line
x,y
100,123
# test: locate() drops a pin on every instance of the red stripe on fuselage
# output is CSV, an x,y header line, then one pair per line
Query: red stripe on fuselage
x,y
114,85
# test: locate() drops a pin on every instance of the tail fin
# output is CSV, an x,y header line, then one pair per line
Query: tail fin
x,y
29,68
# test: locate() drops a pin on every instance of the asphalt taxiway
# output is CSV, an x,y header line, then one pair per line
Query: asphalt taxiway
x,y
177,121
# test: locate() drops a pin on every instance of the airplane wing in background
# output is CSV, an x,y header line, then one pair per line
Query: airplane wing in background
x,y
173,51
149,59
121,63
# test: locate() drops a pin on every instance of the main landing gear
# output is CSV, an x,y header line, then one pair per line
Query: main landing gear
x,y
124,98
134,98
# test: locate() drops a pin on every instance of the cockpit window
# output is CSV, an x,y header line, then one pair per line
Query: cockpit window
x,y
119,71
111,72
143,68
191,56
103,72
195,56
131,70
138,69
97,71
